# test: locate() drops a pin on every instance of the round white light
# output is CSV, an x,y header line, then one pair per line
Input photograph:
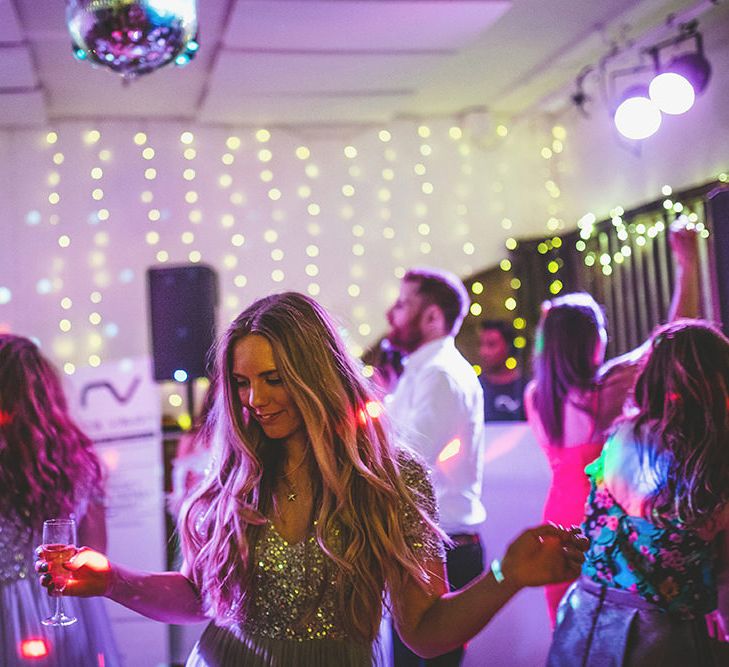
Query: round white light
x,y
637,118
672,93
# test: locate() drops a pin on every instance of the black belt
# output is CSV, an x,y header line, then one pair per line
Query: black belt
x,y
463,539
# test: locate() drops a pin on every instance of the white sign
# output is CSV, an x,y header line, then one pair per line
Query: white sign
x,y
118,407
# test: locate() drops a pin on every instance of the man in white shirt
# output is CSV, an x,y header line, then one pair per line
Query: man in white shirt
x,y
437,408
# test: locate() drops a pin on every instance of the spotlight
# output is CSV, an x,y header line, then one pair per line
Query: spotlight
x,y
672,93
675,87
637,116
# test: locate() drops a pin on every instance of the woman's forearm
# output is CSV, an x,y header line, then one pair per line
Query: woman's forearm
x,y
456,617
169,597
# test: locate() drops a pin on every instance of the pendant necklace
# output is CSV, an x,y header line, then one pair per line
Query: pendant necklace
x,y
291,495
291,489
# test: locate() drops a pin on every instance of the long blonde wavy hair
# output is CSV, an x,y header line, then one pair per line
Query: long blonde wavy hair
x,y
358,489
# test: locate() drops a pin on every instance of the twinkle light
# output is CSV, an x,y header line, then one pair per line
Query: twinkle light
x,y
303,153
477,287
476,309
262,135
240,280
277,275
187,137
384,136
233,143
313,289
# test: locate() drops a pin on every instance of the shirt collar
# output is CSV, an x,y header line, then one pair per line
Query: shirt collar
x,y
426,352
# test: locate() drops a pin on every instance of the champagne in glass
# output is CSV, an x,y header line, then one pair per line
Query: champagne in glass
x,y
59,545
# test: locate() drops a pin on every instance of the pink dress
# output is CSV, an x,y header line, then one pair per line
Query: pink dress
x,y
566,498
585,432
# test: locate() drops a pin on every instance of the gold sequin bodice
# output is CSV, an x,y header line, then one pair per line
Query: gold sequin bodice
x,y
296,590
295,584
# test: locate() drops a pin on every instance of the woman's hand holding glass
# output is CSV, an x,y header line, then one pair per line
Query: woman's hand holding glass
x,y
59,545
88,574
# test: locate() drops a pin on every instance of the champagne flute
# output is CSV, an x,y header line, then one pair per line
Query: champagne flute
x,y
59,545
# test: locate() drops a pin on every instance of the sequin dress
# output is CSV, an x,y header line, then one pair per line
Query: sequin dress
x,y
23,603
293,578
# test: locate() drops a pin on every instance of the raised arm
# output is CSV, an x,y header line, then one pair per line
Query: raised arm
x,y
170,597
686,301
435,621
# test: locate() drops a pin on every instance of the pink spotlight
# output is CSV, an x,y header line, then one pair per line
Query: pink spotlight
x,y
33,648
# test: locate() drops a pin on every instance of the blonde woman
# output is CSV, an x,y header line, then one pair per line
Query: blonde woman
x,y
311,515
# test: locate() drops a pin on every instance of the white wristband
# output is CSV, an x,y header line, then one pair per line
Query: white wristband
x,y
496,570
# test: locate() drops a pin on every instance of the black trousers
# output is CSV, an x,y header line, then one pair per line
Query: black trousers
x,y
464,563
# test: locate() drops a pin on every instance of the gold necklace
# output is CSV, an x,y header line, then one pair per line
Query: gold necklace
x,y
291,495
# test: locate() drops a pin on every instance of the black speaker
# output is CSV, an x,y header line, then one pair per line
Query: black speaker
x,y
182,308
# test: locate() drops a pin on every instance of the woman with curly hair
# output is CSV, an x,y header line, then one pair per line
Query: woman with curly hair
x,y
658,516
311,515
47,470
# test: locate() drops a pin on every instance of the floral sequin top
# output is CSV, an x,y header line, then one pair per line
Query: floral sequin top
x,y
670,567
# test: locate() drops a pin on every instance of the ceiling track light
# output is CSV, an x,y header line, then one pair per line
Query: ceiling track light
x,y
684,76
671,74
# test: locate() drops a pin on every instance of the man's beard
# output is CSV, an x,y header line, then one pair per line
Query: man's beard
x,y
407,339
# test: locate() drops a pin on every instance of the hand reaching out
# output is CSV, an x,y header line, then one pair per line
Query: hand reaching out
x,y
544,555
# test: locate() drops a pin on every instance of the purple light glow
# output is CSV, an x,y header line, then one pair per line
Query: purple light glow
x,y
637,118
672,93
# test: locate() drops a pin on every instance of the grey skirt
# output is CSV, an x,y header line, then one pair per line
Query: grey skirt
x,y
606,627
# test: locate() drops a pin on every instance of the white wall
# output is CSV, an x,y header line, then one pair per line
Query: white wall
x,y
392,219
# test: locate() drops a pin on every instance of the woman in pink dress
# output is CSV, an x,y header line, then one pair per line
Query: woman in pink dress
x,y
575,396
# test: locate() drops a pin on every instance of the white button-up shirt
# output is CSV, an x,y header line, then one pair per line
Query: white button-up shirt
x,y
437,409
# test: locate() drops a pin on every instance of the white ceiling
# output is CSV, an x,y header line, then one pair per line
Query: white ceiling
x,y
313,62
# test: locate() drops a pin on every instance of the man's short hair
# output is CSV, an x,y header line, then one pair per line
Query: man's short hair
x,y
506,329
445,290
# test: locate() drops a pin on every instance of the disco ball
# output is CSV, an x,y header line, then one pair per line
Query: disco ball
x,y
133,37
